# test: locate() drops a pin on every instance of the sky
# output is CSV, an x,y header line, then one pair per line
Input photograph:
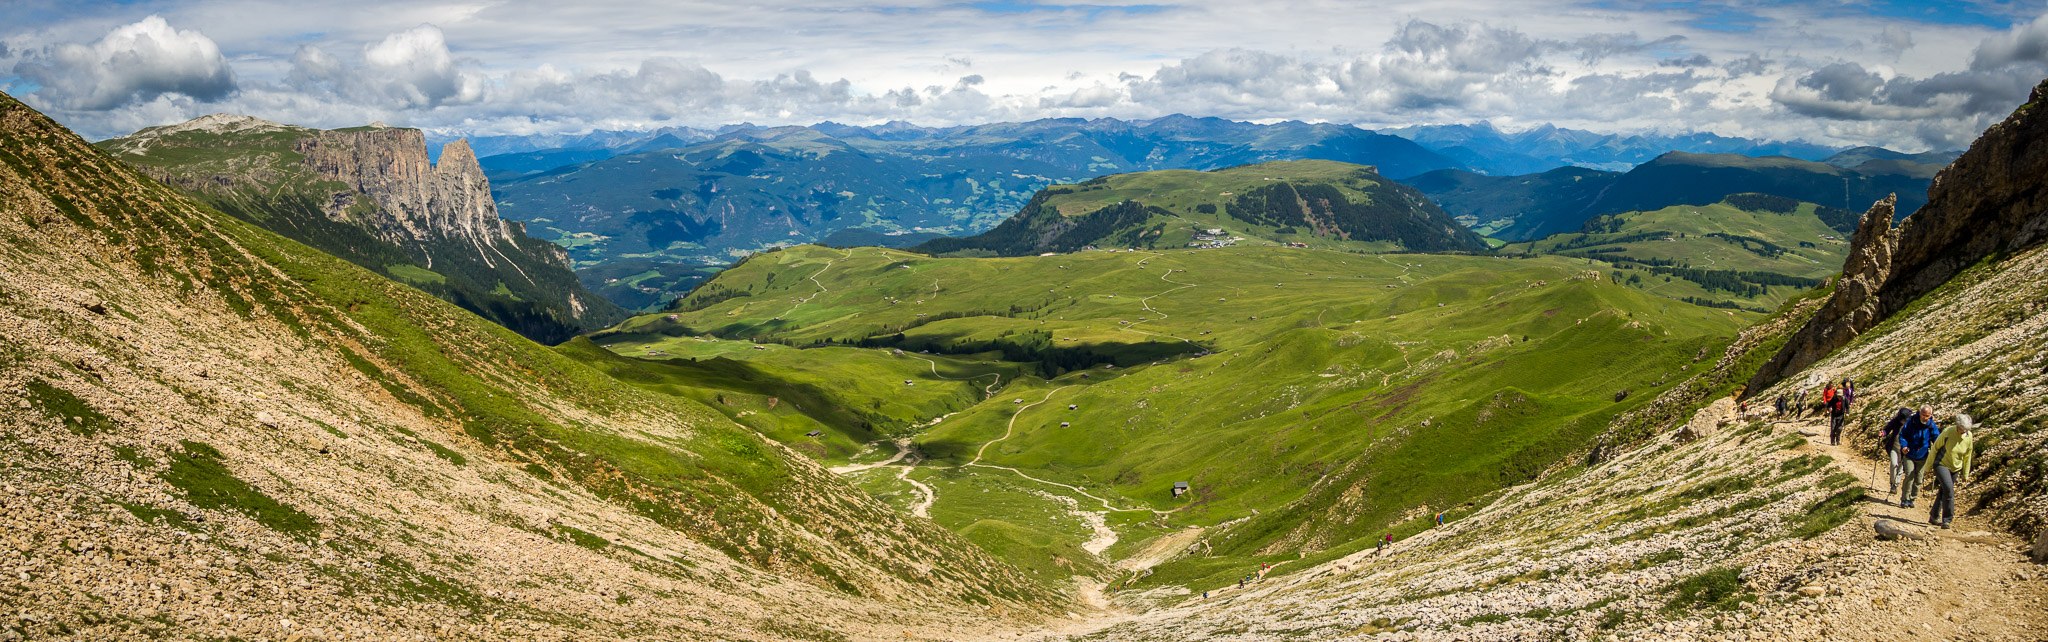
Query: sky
x,y
1912,76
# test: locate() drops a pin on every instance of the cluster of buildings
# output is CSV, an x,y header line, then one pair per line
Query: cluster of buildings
x,y
1213,238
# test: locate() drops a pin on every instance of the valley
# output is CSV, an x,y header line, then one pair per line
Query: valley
x,y
1266,377
1160,322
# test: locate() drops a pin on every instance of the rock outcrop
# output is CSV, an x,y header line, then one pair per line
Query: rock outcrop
x,y
415,199
1990,201
371,195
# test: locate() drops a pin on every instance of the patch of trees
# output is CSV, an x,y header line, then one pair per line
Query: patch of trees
x,y
1754,202
1392,215
705,295
1763,248
1744,283
1841,220
1588,240
1039,227
1724,305
1038,347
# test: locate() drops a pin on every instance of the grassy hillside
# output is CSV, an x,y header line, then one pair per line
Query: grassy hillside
x,y
1321,203
1751,251
1324,395
202,390
1528,207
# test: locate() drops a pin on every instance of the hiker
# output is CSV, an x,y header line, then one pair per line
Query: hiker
x,y
1888,439
1799,403
1838,411
1782,410
1952,454
1914,440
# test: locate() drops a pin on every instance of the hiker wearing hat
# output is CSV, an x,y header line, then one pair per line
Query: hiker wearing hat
x,y
1952,454
1915,441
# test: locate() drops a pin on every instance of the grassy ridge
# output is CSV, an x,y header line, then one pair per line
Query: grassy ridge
x,y
1751,251
1324,203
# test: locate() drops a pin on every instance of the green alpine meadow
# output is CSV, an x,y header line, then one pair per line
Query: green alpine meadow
x,y
1023,321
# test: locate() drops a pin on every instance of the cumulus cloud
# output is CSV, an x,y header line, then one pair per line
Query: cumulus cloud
x,y
406,70
1894,40
1422,68
132,64
1695,60
1600,46
2027,43
1848,91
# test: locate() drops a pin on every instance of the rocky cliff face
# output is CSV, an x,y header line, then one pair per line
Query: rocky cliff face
x,y
416,200
1991,201
370,195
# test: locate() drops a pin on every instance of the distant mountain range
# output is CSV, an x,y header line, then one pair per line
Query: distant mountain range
x,y
1520,208
369,195
712,195
1487,150
747,189
1318,203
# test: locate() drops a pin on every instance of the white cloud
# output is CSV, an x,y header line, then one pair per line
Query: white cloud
x,y
1894,40
132,64
527,66
411,69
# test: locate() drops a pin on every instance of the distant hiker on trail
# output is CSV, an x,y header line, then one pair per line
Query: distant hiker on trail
x,y
1914,440
1838,411
1799,403
1781,406
1952,454
1888,439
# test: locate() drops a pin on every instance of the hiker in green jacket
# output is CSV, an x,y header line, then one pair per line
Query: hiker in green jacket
x,y
1952,451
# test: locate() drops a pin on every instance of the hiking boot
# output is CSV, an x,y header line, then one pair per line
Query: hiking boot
x,y
1944,526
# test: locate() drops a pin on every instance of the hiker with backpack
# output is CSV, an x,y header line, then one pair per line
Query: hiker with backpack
x,y
1914,442
1888,439
1838,411
1952,452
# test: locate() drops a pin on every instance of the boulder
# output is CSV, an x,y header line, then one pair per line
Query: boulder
x,y
1889,530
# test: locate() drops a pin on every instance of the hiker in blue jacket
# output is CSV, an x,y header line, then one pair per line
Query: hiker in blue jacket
x,y
1919,433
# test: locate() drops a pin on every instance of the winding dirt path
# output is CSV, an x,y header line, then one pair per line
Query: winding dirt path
x,y
902,450
986,391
